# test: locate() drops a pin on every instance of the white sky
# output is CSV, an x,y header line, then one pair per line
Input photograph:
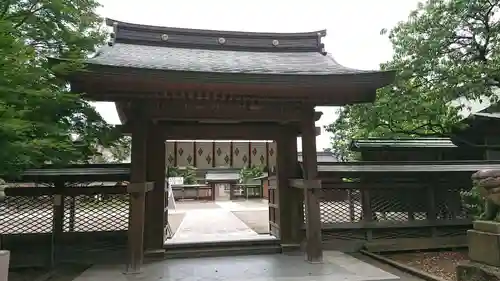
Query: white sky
x,y
353,28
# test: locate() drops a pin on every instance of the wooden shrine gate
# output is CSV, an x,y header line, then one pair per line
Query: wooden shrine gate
x,y
254,86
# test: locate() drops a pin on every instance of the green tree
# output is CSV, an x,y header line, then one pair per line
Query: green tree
x,y
445,50
41,120
118,153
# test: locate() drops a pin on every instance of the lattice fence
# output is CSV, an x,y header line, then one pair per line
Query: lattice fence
x,y
351,205
20,215
90,213
81,213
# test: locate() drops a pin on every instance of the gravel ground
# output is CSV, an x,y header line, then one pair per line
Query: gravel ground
x,y
389,268
441,264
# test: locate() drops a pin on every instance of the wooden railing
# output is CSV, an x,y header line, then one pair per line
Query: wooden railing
x,y
43,225
393,205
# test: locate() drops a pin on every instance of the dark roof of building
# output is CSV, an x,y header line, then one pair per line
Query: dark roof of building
x,y
321,157
77,172
343,169
178,49
492,115
378,143
139,34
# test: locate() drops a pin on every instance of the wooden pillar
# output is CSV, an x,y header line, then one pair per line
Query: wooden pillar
x,y
295,196
138,176
290,219
155,199
314,251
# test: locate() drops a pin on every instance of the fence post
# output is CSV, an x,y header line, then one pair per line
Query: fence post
x,y
72,214
366,204
57,221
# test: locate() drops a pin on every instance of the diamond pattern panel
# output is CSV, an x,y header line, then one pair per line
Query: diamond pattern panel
x,y
185,154
271,154
204,155
24,215
241,158
88,213
170,153
258,153
222,154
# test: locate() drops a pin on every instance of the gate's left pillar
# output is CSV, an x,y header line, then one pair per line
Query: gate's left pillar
x,y
155,199
137,191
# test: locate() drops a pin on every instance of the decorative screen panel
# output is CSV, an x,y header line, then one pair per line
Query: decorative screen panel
x,y
222,154
258,153
170,154
271,154
241,157
185,155
204,155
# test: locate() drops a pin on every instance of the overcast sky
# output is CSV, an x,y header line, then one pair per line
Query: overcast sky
x,y
353,27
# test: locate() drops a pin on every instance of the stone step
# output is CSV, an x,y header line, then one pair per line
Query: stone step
x,y
220,249
217,244
222,252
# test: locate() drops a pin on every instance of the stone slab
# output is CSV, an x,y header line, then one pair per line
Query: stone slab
x,y
279,267
468,271
212,225
484,247
487,226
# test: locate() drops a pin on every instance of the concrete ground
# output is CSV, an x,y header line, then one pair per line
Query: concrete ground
x,y
220,221
336,266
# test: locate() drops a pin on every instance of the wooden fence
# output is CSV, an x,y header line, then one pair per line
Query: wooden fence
x,y
44,225
388,206
65,216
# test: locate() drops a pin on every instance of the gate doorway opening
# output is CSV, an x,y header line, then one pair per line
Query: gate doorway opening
x,y
217,190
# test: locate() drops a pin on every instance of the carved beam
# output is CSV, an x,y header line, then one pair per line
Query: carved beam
x,y
239,131
201,110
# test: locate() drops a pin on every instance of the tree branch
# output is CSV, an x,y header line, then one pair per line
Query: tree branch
x,y
28,13
5,8
415,131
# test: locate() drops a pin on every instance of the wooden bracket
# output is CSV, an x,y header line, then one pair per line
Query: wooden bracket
x,y
140,187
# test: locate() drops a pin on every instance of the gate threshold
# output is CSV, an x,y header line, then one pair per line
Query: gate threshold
x,y
223,248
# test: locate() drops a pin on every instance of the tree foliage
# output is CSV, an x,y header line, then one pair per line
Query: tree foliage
x,y
445,50
120,152
41,121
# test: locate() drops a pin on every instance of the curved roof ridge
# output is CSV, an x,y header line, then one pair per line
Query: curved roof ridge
x,y
207,32
138,34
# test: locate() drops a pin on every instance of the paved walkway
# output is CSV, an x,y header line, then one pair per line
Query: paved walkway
x,y
209,225
279,267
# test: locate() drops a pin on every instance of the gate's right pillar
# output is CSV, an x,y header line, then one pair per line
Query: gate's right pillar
x,y
314,247
290,200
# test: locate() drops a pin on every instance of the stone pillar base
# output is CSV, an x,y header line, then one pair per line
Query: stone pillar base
x,y
472,271
484,243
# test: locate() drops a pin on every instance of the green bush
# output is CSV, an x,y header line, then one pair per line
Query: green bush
x,y
188,173
249,173
473,202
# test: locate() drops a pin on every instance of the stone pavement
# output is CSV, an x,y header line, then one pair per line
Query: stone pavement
x,y
278,267
213,224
